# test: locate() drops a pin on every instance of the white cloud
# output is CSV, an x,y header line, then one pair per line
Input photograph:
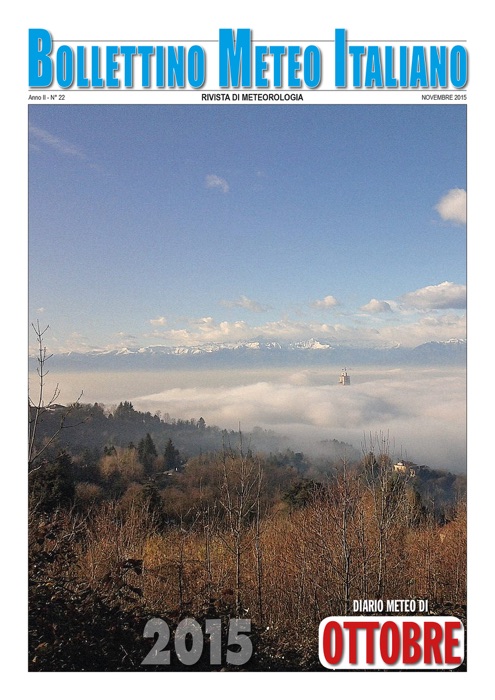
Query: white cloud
x,y
161,321
58,144
327,302
446,295
40,138
425,330
376,307
216,182
452,206
124,334
206,330
244,303
437,327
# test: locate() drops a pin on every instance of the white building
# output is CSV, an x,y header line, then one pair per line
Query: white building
x,y
404,467
344,378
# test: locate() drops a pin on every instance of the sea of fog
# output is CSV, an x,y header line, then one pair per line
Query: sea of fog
x,y
422,410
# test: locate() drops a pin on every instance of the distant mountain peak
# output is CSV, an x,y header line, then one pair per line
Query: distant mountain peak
x,y
259,352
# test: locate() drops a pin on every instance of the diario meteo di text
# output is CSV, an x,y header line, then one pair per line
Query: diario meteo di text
x,y
245,64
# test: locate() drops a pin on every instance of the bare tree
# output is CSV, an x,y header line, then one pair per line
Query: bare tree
x,y
389,502
240,500
333,523
39,407
345,511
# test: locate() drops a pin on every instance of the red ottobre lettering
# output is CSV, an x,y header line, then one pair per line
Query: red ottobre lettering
x,y
413,643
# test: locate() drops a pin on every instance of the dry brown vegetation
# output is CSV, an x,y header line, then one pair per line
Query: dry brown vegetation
x,y
216,543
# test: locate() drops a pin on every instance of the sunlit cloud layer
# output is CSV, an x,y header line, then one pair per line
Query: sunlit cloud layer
x,y
423,411
432,313
409,334
446,295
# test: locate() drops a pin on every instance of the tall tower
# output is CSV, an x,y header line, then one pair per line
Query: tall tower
x,y
344,378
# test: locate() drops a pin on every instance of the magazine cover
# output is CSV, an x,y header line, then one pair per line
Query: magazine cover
x,y
246,311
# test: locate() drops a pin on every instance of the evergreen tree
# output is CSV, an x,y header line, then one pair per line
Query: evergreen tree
x,y
52,485
153,501
172,457
125,411
147,453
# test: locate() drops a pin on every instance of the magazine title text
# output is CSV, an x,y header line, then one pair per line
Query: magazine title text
x,y
241,63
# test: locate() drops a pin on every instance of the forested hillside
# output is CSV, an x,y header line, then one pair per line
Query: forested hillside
x,y
80,426
133,517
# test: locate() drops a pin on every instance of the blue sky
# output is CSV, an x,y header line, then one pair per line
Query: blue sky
x,y
187,224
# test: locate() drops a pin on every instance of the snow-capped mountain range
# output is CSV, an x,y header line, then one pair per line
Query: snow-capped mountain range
x,y
207,348
258,352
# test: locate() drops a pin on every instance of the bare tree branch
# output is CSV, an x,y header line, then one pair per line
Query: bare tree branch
x,y
38,408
